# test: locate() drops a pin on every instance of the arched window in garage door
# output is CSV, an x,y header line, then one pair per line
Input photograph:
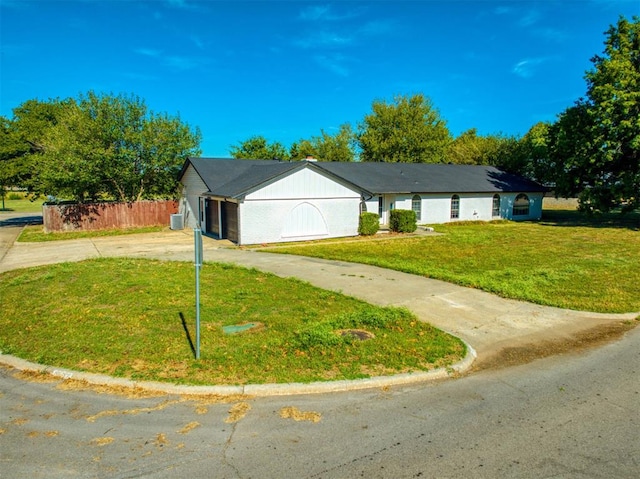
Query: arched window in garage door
x,y
304,220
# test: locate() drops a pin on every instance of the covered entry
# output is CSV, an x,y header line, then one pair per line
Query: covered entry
x,y
222,219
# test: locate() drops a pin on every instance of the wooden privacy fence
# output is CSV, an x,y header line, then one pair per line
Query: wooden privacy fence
x,y
99,216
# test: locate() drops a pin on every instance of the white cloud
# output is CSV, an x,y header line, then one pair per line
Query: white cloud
x,y
551,34
531,18
526,68
502,10
176,62
148,52
316,12
333,63
182,63
179,4
323,39
197,42
378,27
326,13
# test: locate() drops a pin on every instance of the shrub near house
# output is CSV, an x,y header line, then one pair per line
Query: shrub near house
x,y
369,224
402,221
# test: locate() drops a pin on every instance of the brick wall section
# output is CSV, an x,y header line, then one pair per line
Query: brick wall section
x,y
99,216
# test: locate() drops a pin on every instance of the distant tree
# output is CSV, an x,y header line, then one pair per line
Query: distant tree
x,y
326,147
504,152
258,148
531,156
338,147
594,147
106,146
21,144
9,157
570,145
467,149
407,130
302,148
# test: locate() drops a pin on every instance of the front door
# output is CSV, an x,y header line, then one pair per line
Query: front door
x,y
385,204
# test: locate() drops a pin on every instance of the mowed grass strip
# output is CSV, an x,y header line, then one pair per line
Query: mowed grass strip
x,y
19,202
123,317
36,233
567,260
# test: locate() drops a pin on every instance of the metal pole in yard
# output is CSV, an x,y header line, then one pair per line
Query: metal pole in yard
x,y
197,238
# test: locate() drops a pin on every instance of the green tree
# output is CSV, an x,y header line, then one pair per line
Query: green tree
x,y
9,157
106,146
303,148
504,152
407,130
570,146
594,146
531,157
257,148
326,147
467,149
21,143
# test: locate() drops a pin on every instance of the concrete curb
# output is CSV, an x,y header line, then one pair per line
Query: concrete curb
x,y
260,390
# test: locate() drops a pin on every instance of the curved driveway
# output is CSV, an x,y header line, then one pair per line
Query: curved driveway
x,y
488,323
564,416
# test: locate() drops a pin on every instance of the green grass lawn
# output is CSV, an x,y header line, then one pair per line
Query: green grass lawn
x,y
20,203
36,234
123,317
566,260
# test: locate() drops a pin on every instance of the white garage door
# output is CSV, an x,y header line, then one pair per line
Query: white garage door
x,y
304,220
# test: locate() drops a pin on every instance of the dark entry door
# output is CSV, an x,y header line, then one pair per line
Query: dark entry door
x,y
213,220
230,221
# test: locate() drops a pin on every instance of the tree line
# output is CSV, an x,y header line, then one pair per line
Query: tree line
x,y
98,146
105,146
592,150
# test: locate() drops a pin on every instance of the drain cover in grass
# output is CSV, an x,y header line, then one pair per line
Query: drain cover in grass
x,y
240,328
360,334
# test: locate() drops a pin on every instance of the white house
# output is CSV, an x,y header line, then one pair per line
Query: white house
x,y
267,201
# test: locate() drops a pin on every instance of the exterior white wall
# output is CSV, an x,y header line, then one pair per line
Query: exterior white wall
x,y
303,206
194,188
436,208
302,184
266,221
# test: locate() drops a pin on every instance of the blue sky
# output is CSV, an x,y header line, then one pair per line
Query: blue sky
x,y
287,70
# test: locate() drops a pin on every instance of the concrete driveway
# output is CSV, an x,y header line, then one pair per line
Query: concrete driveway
x,y
500,330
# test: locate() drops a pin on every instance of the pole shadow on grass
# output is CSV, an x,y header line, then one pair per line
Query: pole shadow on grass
x,y
186,331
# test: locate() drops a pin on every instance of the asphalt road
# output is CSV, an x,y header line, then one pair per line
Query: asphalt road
x,y
569,416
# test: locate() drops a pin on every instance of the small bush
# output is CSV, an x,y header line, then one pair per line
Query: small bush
x,y
369,224
317,335
403,221
15,196
372,318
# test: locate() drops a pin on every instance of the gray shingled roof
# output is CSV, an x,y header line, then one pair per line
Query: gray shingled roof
x,y
235,178
216,172
430,178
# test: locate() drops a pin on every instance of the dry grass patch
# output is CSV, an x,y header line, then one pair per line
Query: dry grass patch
x,y
296,414
133,318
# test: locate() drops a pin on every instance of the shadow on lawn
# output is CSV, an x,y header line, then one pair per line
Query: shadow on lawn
x,y
186,331
574,218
